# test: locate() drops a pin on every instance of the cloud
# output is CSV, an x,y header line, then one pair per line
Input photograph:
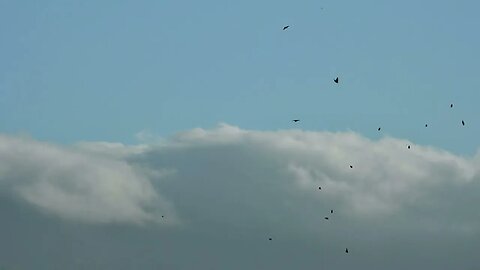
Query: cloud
x,y
231,189
270,175
89,182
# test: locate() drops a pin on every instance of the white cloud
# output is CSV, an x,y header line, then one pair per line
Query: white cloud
x,y
386,180
394,203
80,184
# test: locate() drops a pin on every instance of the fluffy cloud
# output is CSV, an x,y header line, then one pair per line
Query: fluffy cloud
x,y
278,172
231,185
80,183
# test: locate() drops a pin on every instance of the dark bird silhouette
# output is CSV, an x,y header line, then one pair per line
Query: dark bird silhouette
x,y
296,120
270,239
351,167
320,188
451,105
326,218
331,211
463,123
162,216
379,128
409,147
426,125
336,80
346,250
285,27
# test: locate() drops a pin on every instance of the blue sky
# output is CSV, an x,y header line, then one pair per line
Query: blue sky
x,y
88,70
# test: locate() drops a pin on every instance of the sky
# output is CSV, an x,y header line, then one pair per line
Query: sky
x,y
147,134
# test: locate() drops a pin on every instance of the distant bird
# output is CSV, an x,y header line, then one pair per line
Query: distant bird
x,y
426,125
451,105
162,216
320,188
336,80
331,211
270,239
326,218
379,128
346,250
285,27
351,167
409,147
463,123
296,120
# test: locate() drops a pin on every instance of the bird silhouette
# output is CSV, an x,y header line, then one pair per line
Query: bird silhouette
x,y
463,123
379,128
331,211
409,147
336,80
346,250
285,27
296,120
326,218
426,125
451,105
270,239
320,188
351,167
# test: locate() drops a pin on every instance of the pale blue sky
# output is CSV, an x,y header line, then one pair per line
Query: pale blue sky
x,y
105,70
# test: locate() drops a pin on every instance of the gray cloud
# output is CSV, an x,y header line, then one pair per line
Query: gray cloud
x,y
226,190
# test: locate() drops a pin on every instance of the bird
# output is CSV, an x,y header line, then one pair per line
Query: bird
x,y
270,239
336,80
409,147
320,188
463,123
426,125
351,167
331,211
346,250
163,216
326,218
296,120
379,128
285,27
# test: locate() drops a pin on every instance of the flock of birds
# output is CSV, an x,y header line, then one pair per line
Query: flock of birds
x,y
336,81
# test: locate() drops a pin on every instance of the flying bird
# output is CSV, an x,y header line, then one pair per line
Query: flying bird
x,y
331,211
285,27
270,239
409,147
451,105
426,125
336,80
463,123
351,167
379,128
320,188
326,218
296,120
346,250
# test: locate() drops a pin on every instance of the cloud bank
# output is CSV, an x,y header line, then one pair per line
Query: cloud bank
x,y
243,186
